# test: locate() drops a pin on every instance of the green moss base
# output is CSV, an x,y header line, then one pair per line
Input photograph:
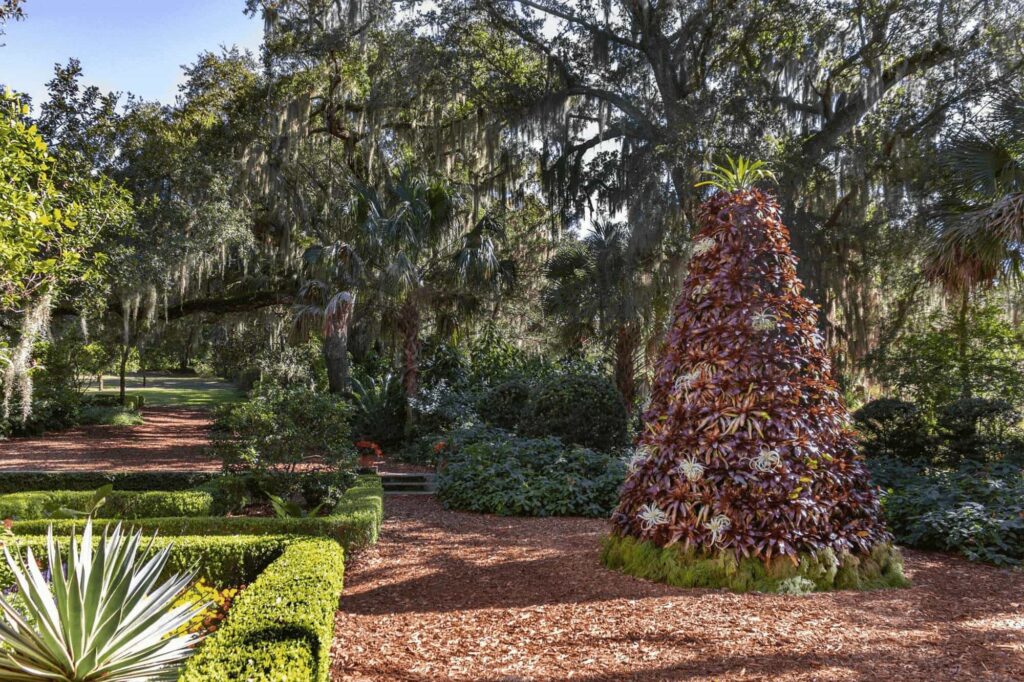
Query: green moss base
x,y
882,568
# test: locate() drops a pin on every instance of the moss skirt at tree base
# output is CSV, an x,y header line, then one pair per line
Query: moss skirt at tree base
x,y
882,568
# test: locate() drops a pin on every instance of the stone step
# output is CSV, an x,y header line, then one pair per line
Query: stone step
x,y
409,482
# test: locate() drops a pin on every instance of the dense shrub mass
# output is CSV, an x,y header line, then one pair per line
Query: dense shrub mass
x,y
281,626
118,505
495,472
976,510
222,561
19,481
506,405
354,522
582,409
890,427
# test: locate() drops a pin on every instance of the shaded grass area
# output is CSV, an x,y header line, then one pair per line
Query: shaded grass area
x,y
174,391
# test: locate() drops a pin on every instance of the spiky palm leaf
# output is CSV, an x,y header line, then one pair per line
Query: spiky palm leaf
x,y
100,617
737,174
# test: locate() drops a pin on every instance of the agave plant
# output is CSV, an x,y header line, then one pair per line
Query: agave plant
x,y
738,174
100,616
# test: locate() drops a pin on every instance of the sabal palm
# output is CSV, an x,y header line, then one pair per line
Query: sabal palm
x,y
594,291
420,247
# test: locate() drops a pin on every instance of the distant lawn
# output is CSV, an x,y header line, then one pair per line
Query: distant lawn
x,y
174,391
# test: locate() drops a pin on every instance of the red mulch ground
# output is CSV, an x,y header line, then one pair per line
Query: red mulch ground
x,y
453,596
171,439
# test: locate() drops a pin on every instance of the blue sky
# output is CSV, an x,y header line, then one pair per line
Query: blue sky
x,y
133,46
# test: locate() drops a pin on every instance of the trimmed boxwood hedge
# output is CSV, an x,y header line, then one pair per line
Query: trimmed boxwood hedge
x,y
120,504
355,521
23,481
281,626
224,561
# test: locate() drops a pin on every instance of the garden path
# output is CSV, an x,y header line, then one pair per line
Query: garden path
x,y
456,596
171,439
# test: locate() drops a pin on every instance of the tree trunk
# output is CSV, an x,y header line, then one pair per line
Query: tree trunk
x,y
99,379
626,344
409,327
336,358
124,365
963,368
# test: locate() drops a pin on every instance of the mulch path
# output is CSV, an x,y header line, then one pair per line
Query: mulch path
x,y
455,596
171,439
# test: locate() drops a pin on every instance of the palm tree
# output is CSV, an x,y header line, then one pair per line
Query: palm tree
x,y
980,231
422,250
321,311
595,291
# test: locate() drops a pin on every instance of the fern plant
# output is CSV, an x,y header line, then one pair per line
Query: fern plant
x,y
102,615
737,175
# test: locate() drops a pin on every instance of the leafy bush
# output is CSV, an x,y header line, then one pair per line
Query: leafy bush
x,y
354,522
976,509
281,429
584,409
111,416
978,428
893,428
119,504
18,481
506,405
379,404
282,625
927,367
493,471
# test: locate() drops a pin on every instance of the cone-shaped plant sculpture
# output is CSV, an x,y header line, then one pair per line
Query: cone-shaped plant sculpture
x,y
746,474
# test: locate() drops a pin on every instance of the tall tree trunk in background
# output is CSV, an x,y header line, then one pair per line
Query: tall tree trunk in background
x,y
963,368
627,342
125,350
336,358
409,328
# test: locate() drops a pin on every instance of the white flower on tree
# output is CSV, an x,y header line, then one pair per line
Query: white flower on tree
x,y
651,516
687,381
763,321
700,291
718,525
702,246
691,469
767,460
639,458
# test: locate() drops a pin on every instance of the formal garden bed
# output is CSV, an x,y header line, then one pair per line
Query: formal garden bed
x,y
275,581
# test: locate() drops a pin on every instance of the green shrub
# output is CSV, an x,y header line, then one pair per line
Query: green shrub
x,y
978,429
281,430
223,561
355,522
18,481
379,404
976,509
894,428
584,409
506,405
281,627
496,472
120,504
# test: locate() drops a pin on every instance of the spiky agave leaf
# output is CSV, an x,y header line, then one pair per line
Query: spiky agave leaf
x,y
101,617
738,174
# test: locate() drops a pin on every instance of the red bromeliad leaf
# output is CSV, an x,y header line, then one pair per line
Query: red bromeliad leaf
x,y
744,395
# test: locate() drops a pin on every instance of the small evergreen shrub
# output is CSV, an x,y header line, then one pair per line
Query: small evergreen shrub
x,y
893,428
281,627
493,471
505,405
583,409
119,504
978,429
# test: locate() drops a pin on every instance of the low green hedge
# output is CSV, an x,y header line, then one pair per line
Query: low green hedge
x,y
120,504
22,481
223,561
281,626
355,522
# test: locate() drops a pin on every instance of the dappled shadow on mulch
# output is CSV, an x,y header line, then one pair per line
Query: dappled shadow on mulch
x,y
453,596
171,439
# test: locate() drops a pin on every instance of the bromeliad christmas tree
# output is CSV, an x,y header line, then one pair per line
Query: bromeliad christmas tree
x,y
746,474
